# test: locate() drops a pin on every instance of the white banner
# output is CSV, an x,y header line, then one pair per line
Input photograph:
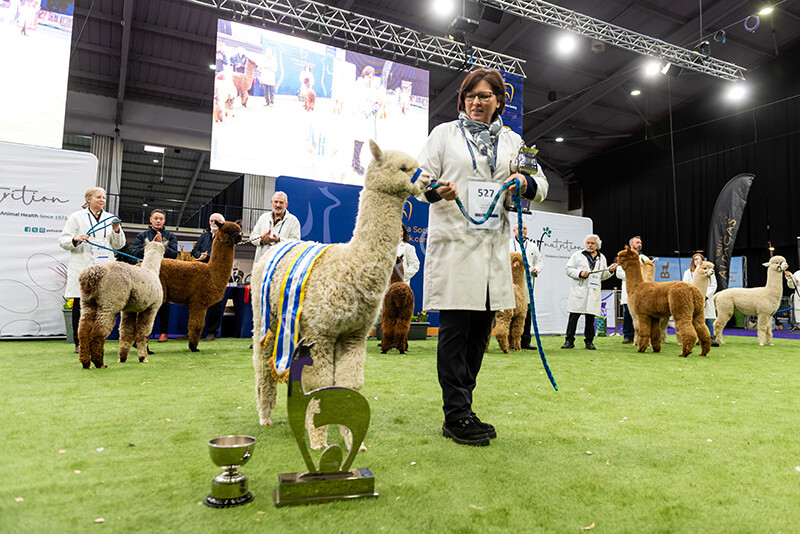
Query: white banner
x,y
39,189
558,237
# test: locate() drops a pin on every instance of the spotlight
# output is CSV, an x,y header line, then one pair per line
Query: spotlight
x,y
161,179
155,161
443,8
598,46
665,68
212,66
652,67
704,48
636,92
737,92
155,149
671,70
491,12
766,10
463,24
559,139
567,43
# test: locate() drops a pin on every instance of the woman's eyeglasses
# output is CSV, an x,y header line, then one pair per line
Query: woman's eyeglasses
x,y
484,96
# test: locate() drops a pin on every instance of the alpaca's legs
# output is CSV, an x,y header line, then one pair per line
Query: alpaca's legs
x,y
764,329
197,320
636,327
699,322
127,327
144,325
644,331
655,334
664,324
85,327
515,333
98,331
266,387
724,314
401,328
502,329
387,328
688,333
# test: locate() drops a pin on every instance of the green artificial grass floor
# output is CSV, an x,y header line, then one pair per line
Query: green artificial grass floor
x,y
630,442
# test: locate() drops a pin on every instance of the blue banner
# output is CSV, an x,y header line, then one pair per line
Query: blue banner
x,y
672,269
512,115
327,214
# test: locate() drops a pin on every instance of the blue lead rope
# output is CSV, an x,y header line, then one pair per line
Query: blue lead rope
x,y
97,228
528,278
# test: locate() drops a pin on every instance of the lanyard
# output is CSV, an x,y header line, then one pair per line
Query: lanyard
x,y
472,154
93,222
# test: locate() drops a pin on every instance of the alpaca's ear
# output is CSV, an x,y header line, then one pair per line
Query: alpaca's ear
x,y
627,247
765,264
376,150
654,260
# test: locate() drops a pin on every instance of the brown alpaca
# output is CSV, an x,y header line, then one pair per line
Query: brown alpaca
x,y
199,285
653,301
398,306
244,82
511,323
115,287
648,275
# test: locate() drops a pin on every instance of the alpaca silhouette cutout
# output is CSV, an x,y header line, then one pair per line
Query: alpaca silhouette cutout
x,y
336,405
664,273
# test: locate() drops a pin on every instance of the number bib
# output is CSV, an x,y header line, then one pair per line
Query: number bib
x,y
101,255
594,280
481,193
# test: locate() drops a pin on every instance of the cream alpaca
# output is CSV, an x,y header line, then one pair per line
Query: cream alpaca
x,y
113,287
343,290
702,274
760,301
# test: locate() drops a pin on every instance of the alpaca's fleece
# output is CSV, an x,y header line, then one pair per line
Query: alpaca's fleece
x,y
700,278
654,301
199,285
648,275
113,287
398,307
343,290
760,301
510,324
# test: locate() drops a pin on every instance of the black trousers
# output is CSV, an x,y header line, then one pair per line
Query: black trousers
x,y
163,318
526,334
214,318
76,318
588,329
627,323
459,354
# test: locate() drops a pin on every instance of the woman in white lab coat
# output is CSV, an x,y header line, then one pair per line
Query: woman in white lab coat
x,y
410,260
467,271
710,310
92,224
587,268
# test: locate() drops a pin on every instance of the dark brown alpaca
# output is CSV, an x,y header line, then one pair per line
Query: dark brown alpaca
x,y
653,301
199,285
398,306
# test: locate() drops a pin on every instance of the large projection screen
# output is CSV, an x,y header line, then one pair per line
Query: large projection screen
x,y
289,106
35,37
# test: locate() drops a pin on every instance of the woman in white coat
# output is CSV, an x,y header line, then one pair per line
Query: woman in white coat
x,y
587,268
793,281
410,260
92,224
710,310
467,272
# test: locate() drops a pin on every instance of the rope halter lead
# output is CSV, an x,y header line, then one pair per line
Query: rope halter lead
x,y
96,228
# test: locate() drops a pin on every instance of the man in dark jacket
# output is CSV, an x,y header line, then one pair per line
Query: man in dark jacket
x,y
202,251
157,219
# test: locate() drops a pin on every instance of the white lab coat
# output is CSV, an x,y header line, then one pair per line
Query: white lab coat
x,y
461,263
532,251
288,229
84,255
620,272
794,283
710,310
410,260
582,298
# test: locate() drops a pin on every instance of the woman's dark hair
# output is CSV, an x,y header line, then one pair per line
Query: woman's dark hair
x,y
494,80
405,233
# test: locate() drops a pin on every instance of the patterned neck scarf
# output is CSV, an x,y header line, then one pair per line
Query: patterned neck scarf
x,y
484,135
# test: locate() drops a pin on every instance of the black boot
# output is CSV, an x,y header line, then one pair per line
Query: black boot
x,y
465,432
568,345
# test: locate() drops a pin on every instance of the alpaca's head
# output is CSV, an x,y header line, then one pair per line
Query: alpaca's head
x,y
777,263
649,270
706,268
155,247
627,256
391,172
517,266
229,233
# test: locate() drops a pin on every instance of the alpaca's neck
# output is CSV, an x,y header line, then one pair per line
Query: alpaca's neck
x,y
700,281
633,274
774,281
152,260
221,260
377,231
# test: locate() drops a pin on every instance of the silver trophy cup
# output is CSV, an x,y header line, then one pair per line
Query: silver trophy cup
x,y
229,488
523,162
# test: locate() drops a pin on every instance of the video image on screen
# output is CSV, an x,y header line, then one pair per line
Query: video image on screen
x,y
293,107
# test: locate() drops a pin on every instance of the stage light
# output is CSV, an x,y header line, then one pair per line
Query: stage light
x,y
463,24
737,92
443,8
766,10
212,66
156,149
567,43
652,67
559,139
155,161
491,12
636,92
665,68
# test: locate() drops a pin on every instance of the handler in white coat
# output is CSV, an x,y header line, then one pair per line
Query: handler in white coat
x,y
710,310
92,224
793,281
535,264
278,225
406,251
467,271
587,268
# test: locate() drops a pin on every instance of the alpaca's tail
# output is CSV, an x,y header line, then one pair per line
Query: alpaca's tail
x,y
90,279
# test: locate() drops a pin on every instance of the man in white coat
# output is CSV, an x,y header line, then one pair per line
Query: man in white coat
x,y
587,268
535,264
793,281
277,225
627,321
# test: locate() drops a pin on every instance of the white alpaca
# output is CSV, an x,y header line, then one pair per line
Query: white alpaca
x,y
343,290
760,301
113,287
